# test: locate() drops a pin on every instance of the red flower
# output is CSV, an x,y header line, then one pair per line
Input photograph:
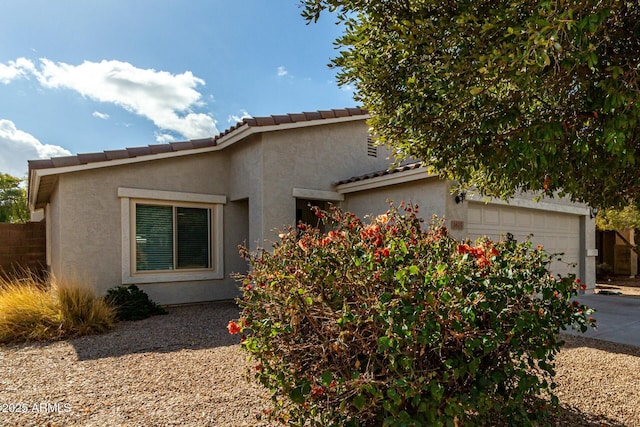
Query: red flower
x,y
464,249
583,286
233,327
483,262
591,320
317,391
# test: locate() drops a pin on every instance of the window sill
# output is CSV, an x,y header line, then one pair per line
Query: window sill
x,y
171,277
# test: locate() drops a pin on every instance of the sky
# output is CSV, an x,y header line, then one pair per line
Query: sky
x,y
84,76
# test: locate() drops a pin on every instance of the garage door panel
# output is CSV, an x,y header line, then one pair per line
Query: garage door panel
x,y
524,219
556,232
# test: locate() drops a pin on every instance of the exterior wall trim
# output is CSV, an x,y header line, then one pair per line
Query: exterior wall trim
x,y
172,196
530,204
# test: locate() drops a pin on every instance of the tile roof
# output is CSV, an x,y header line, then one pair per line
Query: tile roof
x,y
397,169
127,153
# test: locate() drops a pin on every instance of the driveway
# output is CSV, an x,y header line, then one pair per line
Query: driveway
x,y
617,318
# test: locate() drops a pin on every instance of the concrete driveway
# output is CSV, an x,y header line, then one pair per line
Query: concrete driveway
x,y
617,318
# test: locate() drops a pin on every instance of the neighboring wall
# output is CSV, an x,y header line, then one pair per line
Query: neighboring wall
x,y
22,247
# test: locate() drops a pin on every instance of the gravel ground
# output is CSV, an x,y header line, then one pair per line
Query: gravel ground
x,y
185,369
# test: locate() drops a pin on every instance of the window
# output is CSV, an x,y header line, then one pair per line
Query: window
x,y
170,236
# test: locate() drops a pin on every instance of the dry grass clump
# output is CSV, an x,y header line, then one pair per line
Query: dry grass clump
x,y
36,310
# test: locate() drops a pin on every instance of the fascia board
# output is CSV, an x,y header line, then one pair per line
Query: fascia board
x,y
386,180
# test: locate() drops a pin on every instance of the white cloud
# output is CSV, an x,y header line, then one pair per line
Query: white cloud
x,y
99,115
237,119
18,146
15,69
162,138
282,71
164,98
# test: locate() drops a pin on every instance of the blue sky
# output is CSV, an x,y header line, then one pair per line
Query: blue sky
x,y
81,76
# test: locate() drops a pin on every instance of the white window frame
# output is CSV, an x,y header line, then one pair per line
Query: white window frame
x,y
129,197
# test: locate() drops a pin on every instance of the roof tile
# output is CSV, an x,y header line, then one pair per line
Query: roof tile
x,y
40,164
60,162
265,121
282,119
180,146
138,151
160,148
204,142
327,114
91,158
313,115
116,154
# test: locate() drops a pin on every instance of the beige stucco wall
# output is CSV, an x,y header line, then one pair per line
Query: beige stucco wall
x,y
312,158
53,232
87,226
430,195
245,182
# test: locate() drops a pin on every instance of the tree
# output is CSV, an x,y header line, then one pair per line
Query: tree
x,y
620,219
13,200
538,95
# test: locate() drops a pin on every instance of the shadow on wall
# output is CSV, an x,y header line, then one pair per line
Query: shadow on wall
x,y
187,327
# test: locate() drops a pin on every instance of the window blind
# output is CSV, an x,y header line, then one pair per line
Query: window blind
x,y
193,237
154,237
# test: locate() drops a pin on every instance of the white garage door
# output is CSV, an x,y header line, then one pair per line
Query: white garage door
x,y
557,232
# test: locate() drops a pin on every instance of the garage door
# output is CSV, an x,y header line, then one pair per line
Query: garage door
x,y
557,232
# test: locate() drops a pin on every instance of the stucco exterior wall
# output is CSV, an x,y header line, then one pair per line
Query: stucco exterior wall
x,y
245,182
87,226
430,195
312,158
52,218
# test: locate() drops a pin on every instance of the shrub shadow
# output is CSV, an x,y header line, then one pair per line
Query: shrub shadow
x,y
570,416
191,327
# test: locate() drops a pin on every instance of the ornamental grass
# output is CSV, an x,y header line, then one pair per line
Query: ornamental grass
x,y
35,310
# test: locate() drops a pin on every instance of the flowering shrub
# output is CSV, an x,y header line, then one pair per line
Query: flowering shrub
x,y
389,323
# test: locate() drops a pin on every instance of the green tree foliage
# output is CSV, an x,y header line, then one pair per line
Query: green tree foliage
x,y
521,95
13,200
620,219
389,323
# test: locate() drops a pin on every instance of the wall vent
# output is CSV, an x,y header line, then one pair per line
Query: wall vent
x,y
372,150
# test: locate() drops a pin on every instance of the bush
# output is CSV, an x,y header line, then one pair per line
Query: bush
x,y
131,303
389,323
31,309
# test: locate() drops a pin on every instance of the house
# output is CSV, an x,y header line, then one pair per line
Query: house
x,y
169,217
